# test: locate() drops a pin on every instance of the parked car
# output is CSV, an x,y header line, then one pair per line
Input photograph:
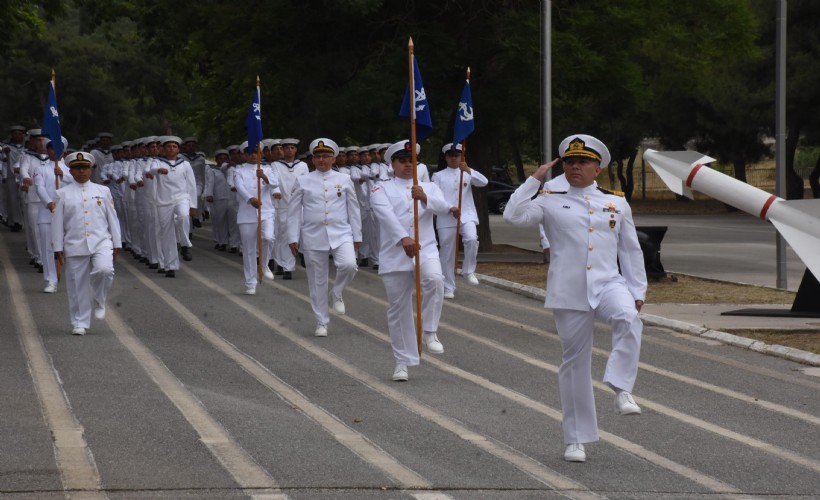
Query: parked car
x,y
498,193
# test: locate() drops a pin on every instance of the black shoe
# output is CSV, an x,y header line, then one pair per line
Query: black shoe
x,y
375,267
286,275
144,260
32,261
279,271
16,228
364,262
160,271
302,260
223,248
233,250
216,247
40,268
153,266
197,223
186,254
170,274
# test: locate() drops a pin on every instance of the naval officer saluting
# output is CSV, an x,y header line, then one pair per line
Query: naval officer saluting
x,y
591,232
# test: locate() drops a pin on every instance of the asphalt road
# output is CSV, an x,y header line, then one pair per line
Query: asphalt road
x,y
731,247
190,389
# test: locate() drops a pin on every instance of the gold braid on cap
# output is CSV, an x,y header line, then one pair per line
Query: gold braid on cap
x,y
80,161
577,147
321,147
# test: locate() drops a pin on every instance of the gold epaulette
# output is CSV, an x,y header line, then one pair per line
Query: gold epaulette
x,y
616,193
547,191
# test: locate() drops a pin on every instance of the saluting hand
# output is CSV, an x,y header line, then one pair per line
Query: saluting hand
x,y
541,174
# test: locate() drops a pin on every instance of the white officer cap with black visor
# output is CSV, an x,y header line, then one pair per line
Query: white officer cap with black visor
x,y
401,149
323,145
584,146
448,148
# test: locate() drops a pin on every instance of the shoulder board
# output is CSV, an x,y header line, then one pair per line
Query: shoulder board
x,y
547,191
615,193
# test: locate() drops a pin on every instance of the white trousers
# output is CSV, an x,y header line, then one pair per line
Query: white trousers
x,y
136,221
219,221
282,254
122,215
32,234
447,252
365,250
317,267
47,254
250,249
401,289
575,330
174,224
88,275
234,240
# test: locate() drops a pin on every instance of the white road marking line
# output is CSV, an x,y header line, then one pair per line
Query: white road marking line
x,y
526,464
348,437
78,470
234,459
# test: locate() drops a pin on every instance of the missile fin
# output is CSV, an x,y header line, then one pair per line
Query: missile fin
x,y
799,223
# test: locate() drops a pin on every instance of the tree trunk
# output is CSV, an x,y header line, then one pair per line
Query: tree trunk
x,y
630,179
479,157
519,165
794,183
814,179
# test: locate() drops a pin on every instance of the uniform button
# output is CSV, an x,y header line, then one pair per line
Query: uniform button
x,y
589,267
586,198
590,230
86,211
590,248
592,211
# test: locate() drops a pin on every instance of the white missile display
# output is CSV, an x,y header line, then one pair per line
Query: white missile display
x,y
798,221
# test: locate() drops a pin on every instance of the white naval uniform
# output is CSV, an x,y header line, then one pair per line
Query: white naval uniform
x,y
175,197
287,172
234,239
199,167
46,186
324,214
136,218
14,205
102,157
591,232
29,162
216,185
448,181
245,181
392,205
113,173
85,228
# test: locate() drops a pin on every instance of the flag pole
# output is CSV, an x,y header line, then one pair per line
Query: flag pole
x,y
59,263
415,183
259,195
460,182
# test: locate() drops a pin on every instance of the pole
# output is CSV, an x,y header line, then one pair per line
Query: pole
x,y
460,182
59,263
546,86
780,136
259,196
415,183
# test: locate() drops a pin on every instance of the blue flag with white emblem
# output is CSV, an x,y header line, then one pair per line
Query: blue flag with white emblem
x,y
465,123
51,122
421,110
253,122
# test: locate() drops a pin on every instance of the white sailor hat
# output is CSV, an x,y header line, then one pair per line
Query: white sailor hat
x,y
105,134
151,139
276,142
233,147
165,139
65,142
400,149
449,147
34,132
220,152
364,149
116,147
79,160
125,144
384,146
190,139
285,142
584,146
352,149
323,145
267,143
17,128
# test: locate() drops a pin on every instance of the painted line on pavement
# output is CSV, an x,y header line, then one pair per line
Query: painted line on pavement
x,y
78,470
348,437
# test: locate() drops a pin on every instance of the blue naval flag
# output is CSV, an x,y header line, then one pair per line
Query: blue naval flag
x,y
51,122
253,122
424,124
465,123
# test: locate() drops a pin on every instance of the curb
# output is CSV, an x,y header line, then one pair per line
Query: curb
x,y
790,353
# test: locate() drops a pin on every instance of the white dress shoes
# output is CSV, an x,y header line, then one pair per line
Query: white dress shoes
x,y
575,453
400,373
267,272
433,344
99,312
250,291
321,331
50,288
471,279
338,304
449,295
625,405
78,330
